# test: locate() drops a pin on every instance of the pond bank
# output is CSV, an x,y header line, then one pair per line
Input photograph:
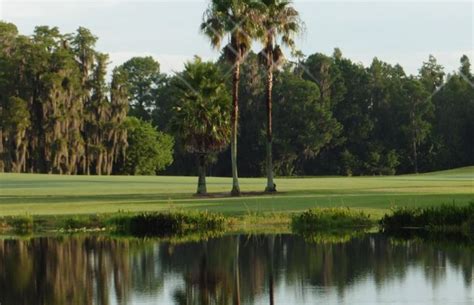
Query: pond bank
x,y
441,219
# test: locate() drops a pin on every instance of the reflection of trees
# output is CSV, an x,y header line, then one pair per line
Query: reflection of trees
x,y
265,260
341,264
209,269
225,270
79,270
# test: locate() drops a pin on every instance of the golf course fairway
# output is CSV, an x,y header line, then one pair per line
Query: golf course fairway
x,y
38,194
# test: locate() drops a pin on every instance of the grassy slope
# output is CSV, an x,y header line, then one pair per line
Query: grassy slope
x,y
51,194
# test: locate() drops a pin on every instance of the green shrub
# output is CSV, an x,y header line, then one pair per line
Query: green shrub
x,y
20,223
74,223
160,224
440,218
329,218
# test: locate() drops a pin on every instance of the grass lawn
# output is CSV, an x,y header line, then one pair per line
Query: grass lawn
x,y
52,194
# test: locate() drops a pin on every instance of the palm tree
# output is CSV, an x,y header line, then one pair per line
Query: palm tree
x,y
202,116
278,21
235,18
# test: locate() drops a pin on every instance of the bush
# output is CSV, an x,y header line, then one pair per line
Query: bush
x,y
20,224
148,151
440,218
329,218
74,223
161,224
349,163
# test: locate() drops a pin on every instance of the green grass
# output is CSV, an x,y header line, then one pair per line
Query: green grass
x,y
34,194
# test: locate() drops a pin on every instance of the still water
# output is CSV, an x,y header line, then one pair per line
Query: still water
x,y
234,269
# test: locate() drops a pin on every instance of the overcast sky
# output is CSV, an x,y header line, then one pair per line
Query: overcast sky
x,y
404,32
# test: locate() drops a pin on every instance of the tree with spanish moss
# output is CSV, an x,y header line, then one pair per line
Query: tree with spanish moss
x,y
58,114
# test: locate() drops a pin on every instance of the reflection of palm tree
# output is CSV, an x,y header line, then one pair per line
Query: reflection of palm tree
x,y
204,286
271,247
204,280
236,271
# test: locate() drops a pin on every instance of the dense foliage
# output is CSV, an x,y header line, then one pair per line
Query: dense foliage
x,y
445,218
59,113
149,151
160,224
334,116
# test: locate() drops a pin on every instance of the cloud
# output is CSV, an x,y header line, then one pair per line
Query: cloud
x,y
23,9
13,10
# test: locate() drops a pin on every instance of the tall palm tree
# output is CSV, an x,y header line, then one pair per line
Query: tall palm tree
x,y
279,24
202,115
235,18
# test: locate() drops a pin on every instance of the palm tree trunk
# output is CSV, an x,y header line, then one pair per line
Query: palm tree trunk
x,y
235,121
271,187
201,188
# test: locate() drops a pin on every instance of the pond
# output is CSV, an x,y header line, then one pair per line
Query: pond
x,y
233,269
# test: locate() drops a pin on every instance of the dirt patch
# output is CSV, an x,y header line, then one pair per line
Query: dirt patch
x,y
242,194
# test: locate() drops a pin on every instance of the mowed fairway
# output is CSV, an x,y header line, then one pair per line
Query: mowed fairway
x,y
53,194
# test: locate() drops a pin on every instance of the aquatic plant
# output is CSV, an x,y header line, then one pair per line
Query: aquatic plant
x,y
19,224
155,223
444,218
329,218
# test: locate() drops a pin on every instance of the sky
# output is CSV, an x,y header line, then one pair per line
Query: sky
x,y
404,32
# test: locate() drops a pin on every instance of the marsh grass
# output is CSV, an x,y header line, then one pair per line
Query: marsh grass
x,y
265,218
83,222
446,239
21,224
445,218
333,236
162,224
318,219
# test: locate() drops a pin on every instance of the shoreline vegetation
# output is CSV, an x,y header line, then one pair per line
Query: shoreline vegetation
x,y
317,224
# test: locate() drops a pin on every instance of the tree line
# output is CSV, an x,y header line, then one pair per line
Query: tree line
x,y
60,115
318,115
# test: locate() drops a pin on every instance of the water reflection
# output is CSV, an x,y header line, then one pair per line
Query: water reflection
x,y
273,269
